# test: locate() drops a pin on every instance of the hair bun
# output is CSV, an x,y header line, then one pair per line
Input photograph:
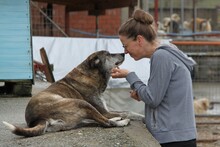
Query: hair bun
x,y
143,17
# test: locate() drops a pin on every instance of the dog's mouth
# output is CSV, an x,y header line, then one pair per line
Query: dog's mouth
x,y
120,59
118,63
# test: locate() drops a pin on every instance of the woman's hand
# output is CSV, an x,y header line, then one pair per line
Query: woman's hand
x,y
119,73
122,73
134,95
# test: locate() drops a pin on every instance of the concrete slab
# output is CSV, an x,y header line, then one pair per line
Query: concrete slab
x,y
12,110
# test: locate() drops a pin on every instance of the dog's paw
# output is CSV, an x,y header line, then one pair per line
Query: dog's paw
x,y
116,118
123,122
115,122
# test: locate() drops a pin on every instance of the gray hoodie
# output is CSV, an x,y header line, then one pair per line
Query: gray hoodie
x,y
168,96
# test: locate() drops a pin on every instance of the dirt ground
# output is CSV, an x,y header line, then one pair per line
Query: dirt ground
x,y
208,130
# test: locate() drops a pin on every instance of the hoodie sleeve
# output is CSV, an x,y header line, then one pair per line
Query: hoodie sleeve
x,y
160,75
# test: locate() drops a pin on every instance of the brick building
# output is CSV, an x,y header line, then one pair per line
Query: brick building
x,y
83,24
50,20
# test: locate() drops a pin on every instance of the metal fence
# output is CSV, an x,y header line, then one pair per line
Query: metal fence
x,y
206,74
43,21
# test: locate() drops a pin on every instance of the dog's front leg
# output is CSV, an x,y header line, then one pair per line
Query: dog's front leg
x,y
100,105
125,114
112,114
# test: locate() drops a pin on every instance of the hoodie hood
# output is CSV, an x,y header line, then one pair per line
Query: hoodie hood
x,y
188,61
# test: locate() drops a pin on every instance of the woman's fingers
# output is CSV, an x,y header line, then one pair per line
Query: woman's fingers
x,y
119,73
114,73
134,95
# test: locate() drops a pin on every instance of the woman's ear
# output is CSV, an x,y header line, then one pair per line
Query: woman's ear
x,y
139,39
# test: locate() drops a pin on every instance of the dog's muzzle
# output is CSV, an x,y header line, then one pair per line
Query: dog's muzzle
x,y
122,57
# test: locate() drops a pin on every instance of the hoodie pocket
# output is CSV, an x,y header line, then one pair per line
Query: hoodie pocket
x,y
154,123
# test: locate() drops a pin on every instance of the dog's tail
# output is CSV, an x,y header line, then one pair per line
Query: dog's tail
x,y
27,132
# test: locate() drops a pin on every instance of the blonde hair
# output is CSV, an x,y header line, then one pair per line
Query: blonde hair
x,y
141,23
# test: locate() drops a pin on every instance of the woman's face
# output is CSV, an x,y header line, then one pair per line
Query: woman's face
x,y
137,48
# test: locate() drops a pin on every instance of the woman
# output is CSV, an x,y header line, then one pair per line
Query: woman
x,y
168,96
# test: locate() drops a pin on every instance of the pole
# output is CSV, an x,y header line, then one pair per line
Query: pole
x,y
182,13
156,12
97,26
171,12
194,16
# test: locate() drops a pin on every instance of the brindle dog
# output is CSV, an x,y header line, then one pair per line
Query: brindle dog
x,y
67,102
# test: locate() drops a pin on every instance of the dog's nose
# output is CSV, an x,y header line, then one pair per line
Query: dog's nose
x,y
122,54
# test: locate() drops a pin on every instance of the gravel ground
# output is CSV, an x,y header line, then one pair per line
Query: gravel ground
x,y
93,135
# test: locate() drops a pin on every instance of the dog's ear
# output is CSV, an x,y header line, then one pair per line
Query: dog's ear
x,y
95,62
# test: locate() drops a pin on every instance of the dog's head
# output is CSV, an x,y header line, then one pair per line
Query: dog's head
x,y
99,65
105,61
95,71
